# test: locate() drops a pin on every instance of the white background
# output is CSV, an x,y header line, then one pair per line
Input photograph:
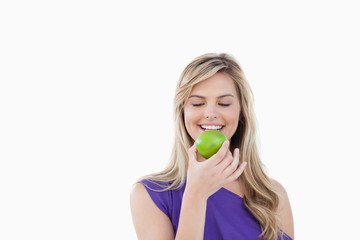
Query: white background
x,y
86,90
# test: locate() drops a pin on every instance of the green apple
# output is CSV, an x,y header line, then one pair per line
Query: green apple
x,y
209,142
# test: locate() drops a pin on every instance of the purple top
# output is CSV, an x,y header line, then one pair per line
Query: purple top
x,y
226,215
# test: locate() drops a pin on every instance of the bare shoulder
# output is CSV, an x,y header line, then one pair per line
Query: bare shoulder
x,y
149,221
284,212
279,188
138,191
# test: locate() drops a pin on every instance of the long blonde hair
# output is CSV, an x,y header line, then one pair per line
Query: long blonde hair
x,y
259,195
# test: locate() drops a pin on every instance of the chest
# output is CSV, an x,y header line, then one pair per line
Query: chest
x,y
226,217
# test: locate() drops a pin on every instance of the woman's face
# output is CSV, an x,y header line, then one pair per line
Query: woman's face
x,y
213,104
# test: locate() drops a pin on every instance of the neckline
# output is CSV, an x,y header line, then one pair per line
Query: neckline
x,y
232,193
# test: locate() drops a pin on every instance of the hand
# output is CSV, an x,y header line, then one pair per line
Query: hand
x,y
207,177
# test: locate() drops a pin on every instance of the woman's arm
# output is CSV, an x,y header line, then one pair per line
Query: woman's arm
x,y
192,217
152,224
284,213
149,221
203,179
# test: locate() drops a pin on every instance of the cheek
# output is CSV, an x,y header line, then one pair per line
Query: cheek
x,y
191,119
235,119
232,118
232,115
187,117
190,116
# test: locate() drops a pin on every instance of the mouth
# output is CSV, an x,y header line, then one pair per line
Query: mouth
x,y
207,127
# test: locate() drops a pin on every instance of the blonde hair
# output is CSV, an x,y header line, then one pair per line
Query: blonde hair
x,y
259,195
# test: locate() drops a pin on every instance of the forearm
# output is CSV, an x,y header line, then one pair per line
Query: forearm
x,y
192,217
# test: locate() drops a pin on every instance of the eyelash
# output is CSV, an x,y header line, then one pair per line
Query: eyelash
x,y
224,105
221,104
198,105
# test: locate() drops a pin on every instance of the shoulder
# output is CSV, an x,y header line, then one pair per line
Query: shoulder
x,y
139,197
279,188
144,211
150,191
284,212
154,185
138,192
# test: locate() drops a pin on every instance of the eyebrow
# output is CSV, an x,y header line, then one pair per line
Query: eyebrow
x,y
222,96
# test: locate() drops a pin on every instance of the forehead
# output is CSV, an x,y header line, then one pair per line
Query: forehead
x,y
218,84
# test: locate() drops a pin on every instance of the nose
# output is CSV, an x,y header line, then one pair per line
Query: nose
x,y
210,112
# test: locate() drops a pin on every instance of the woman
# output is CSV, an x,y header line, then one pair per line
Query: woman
x,y
227,196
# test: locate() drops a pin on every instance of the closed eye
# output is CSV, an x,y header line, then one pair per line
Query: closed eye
x,y
198,105
224,105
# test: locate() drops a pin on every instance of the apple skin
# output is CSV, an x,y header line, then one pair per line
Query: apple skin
x,y
209,142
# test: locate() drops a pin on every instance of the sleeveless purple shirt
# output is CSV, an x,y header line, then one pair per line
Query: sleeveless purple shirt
x,y
226,216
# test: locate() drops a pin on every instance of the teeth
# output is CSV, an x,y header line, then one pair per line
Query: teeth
x,y
211,127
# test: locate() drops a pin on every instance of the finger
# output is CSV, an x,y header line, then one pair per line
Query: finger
x,y
217,157
235,175
226,161
235,163
232,164
192,152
